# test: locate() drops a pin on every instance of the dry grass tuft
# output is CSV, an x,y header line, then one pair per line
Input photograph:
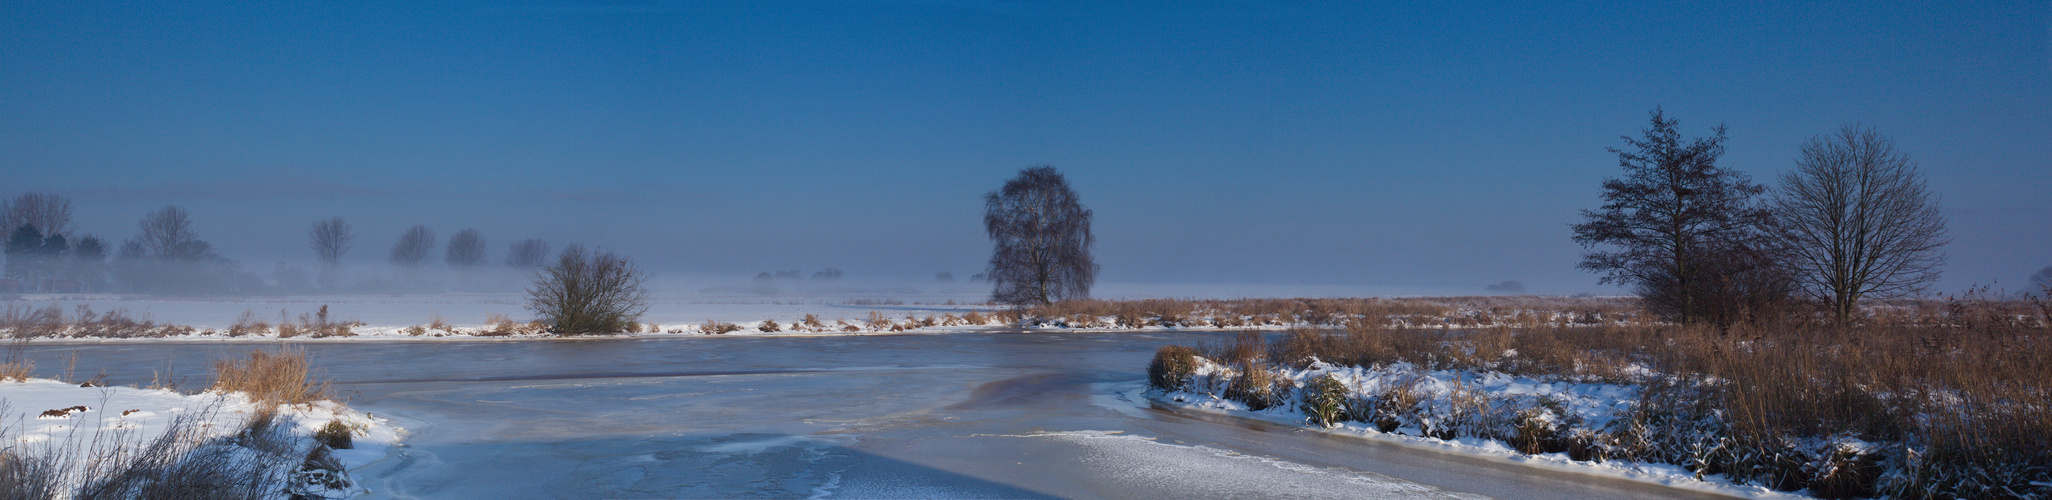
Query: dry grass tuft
x,y
271,377
718,327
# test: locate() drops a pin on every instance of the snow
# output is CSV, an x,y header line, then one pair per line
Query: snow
x,y
133,416
1596,404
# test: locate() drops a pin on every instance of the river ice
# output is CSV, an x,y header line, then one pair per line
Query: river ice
x,y
969,415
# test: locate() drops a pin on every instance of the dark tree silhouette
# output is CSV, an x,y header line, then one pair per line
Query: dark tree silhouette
x,y
2043,278
1677,227
166,234
24,251
527,253
1859,222
89,262
1041,236
413,247
167,257
50,213
589,293
466,249
330,239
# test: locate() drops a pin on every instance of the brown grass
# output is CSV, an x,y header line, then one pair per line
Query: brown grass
x,y
1455,312
270,377
1955,390
718,328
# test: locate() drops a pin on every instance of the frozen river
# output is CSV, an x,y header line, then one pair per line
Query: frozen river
x,y
998,415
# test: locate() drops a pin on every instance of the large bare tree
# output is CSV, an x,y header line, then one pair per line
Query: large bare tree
x,y
49,213
466,249
1042,238
528,253
413,247
1676,227
1859,221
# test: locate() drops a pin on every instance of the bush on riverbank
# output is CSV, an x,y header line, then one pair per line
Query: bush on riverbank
x,y
1915,403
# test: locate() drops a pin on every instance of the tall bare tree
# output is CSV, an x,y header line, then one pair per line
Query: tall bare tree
x,y
1042,238
330,239
49,213
1859,221
466,249
413,247
1677,224
528,253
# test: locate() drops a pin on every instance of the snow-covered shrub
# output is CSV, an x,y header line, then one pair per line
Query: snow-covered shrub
x,y
770,326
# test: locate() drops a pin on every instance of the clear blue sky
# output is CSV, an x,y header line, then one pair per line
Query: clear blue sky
x,y
1350,143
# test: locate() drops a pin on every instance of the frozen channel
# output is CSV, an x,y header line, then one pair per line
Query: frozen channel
x,y
973,415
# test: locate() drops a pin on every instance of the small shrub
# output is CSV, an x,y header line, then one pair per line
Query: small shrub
x,y
975,318
1325,400
813,322
1172,367
336,435
247,324
17,369
769,326
270,377
1254,386
718,328
437,323
498,325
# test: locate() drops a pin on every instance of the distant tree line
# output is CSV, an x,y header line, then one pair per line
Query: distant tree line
x,y
168,257
1700,243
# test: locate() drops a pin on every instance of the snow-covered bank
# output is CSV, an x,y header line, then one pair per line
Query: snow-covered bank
x,y
90,436
1451,411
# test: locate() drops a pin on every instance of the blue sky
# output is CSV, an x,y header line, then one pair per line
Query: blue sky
x,y
1333,143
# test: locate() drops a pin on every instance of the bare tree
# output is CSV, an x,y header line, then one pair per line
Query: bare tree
x,y
50,213
2043,278
413,247
166,234
587,292
166,256
1677,224
528,253
1042,239
1859,221
330,239
466,249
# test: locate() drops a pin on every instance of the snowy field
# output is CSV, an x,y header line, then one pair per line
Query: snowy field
x,y
675,309
50,418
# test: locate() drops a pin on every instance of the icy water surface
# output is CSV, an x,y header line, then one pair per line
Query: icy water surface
x,y
988,415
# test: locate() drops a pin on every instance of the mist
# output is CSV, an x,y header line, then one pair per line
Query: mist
x,y
1328,147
